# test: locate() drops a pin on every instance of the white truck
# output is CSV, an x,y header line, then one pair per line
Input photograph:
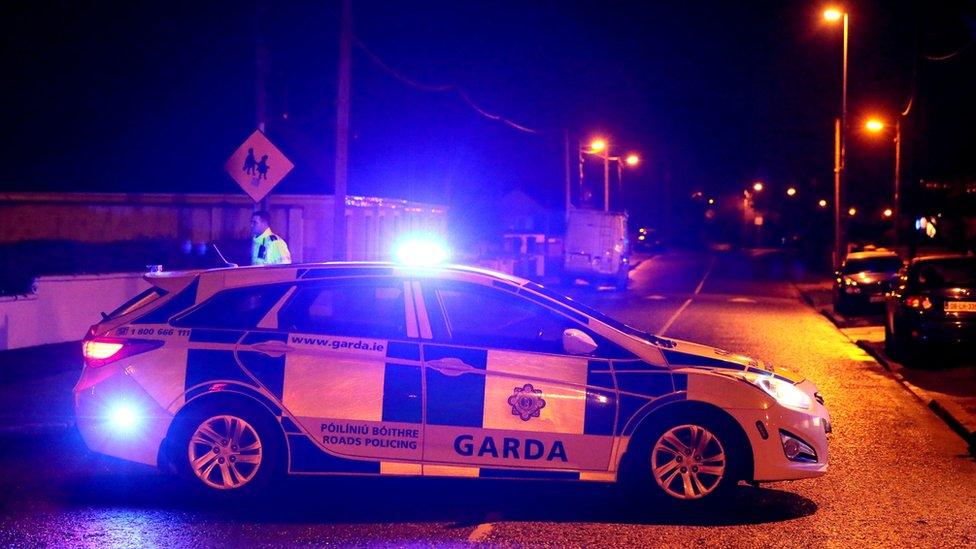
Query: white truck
x,y
597,247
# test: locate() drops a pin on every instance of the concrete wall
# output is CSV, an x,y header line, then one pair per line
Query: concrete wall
x,y
63,307
305,221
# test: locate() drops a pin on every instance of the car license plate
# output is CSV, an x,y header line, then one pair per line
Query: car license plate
x,y
960,306
876,298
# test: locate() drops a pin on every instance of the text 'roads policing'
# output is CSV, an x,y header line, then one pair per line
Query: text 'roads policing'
x,y
371,437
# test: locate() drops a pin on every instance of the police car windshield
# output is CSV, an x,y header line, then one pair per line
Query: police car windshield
x,y
610,321
137,302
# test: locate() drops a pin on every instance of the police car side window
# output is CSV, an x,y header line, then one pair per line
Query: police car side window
x,y
237,308
355,307
469,314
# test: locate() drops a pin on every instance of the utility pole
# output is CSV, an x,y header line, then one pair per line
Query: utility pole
x,y
342,133
606,179
897,206
569,196
261,67
838,159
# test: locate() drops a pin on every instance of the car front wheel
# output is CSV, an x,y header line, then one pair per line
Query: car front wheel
x,y
687,462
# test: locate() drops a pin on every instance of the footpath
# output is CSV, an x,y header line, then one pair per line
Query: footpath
x,y
944,384
35,389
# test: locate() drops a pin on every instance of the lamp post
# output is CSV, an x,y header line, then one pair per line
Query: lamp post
x,y
840,127
875,125
601,148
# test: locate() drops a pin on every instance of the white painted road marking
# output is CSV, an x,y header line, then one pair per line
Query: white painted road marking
x,y
687,302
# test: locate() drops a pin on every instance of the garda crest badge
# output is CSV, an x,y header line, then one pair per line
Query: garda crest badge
x,y
526,402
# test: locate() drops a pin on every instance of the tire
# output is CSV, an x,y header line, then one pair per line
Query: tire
x,y
900,348
229,449
666,467
892,346
841,306
621,279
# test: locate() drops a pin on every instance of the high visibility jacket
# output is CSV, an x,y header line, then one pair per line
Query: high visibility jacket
x,y
269,249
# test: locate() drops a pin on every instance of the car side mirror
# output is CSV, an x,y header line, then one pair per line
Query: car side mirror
x,y
577,342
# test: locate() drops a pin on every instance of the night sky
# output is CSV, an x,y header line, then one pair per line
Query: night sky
x,y
153,96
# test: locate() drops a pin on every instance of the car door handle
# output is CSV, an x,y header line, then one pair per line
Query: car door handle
x,y
452,366
272,348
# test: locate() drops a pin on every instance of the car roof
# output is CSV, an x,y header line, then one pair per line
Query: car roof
x,y
212,280
871,254
938,257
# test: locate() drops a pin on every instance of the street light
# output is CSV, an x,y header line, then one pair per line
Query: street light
x,y
875,126
833,15
852,211
822,203
757,186
600,147
791,192
887,212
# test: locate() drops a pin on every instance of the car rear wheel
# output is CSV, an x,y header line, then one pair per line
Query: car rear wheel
x,y
229,449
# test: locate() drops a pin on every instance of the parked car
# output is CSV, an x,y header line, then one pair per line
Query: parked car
x,y
863,279
932,306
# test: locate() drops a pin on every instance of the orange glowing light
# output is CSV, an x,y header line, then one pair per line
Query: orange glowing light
x,y
791,192
832,14
632,159
598,145
822,203
887,212
874,125
757,186
852,212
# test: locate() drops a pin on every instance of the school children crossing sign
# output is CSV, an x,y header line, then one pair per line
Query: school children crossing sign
x,y
257,166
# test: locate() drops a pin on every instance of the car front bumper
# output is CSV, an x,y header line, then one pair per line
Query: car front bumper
x,y
764,428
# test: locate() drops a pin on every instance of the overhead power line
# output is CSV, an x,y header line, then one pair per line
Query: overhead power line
x,y
948,55
440,88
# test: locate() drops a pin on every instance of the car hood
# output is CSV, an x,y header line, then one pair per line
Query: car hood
x,y
687,354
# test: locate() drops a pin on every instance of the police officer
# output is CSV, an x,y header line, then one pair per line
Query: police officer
x,y
267,247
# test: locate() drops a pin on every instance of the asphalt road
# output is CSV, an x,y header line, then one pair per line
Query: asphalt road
x,y
898,475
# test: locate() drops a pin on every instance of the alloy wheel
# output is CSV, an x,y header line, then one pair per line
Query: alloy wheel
x,y
688,462
225,452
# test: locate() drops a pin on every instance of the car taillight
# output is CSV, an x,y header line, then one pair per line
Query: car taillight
x,y
918,302
99,352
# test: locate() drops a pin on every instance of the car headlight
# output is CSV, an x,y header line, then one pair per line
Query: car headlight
x,y
785,392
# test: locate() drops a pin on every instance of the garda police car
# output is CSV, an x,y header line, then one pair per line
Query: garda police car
x,y
234,376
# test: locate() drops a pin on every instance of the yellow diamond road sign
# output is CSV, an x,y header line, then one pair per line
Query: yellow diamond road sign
x,y
257,166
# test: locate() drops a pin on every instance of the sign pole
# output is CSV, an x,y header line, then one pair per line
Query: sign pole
x,y
342,134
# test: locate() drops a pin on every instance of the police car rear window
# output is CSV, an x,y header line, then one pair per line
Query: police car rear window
x,y
353,307
237,308
137,302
